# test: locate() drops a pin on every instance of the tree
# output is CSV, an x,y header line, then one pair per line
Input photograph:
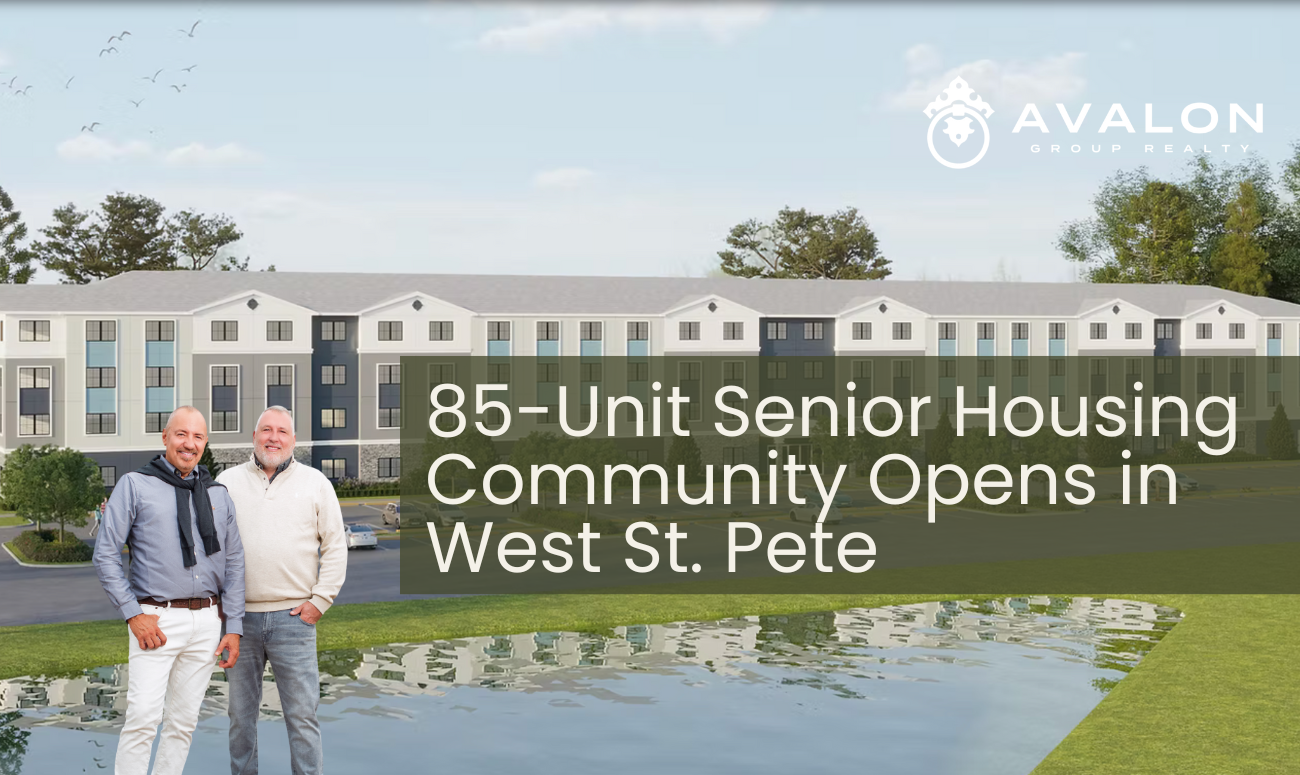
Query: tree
x,y
1239,262
685,452
1153,242
471,443
1104,451
832,451
209,462
15,259
73,486
49,484
130,232
199,239
801,244
13,743
939,451
127,233
1281,439
17,481
537,448
595,453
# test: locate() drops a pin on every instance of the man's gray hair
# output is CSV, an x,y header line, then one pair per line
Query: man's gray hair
x,y
276,408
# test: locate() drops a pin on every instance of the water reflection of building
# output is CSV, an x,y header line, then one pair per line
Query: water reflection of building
x,y
569,662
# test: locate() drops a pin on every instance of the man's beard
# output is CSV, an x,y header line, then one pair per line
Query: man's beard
x,y
264,461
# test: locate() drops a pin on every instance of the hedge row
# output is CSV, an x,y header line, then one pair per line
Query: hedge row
x,y
44,546
567,521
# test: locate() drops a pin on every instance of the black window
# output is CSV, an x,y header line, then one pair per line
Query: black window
x,y
813,369
902,331
776,370
390,467
1097,331
334,418
1132,330
159,376
101,330
279,330
333,330
733,331
776,331
638,331
154,422
1055,330
441,330
109,475
101,377
947,331
1236,330
225,398
225,330
334,468
499,331
334,374
591,331
814,330
33,330
987,330
688,331
1019,331
638,371
390,330
548,330
861,331
1164,330
1204,330
160,330
390,395
100,424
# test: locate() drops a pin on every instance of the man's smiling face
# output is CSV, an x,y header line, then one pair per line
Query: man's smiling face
x,y
274,439
184,438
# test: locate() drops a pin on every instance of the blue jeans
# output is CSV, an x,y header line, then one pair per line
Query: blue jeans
x,y
289,644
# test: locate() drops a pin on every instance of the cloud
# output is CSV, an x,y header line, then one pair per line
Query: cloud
x,y
199,155
89,147
922,58
563,177
547,27
1008,82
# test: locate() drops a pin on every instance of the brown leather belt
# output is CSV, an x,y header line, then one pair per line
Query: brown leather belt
x,y
189,602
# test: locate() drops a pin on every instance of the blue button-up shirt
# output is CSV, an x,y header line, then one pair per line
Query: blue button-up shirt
x,y
141,513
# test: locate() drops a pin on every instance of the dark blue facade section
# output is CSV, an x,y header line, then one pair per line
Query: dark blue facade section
x,y
330,351
1168,336
346,452
796,336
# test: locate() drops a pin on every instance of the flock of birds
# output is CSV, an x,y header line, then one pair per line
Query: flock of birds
x,y
110,50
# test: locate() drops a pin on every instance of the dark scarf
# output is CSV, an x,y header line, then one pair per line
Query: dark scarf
x,y
198,484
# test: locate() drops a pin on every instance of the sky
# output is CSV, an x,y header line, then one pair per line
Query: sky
x,y
618,139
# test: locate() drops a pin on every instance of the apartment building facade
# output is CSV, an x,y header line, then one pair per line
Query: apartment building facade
x,y
99,367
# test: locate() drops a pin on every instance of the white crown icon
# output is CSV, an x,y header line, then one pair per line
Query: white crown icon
x,y
959,92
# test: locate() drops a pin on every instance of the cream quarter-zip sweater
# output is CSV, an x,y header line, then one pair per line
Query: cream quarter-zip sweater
x,y
292,530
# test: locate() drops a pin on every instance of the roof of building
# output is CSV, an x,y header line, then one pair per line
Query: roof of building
x,y
345,293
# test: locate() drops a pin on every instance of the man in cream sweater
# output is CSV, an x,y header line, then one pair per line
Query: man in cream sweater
x,y
295,559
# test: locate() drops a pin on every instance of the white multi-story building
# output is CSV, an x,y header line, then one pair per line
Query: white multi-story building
x,y
98,367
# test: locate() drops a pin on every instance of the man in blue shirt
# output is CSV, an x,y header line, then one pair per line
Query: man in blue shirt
x,y
187,574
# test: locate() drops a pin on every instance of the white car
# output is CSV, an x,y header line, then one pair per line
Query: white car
x,y
809,511
361,536
1185,483
448,515
393,514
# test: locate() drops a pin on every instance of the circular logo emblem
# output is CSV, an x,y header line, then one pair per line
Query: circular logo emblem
x,y
955,109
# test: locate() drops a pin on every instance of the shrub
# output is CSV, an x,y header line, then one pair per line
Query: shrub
x,y
44,546
1281,439
567,521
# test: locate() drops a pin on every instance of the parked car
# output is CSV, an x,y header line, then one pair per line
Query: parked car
x,y
447,516
809,511
1185,483
393,514
361,536
811,494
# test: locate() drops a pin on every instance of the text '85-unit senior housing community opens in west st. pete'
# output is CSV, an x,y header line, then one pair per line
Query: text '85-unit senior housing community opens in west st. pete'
x,y
99,367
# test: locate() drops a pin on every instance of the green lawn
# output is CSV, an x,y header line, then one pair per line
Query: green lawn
x,y
1219,694
11,521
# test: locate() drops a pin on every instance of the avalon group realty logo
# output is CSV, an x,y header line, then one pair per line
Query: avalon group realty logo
x,y
957,107
959,114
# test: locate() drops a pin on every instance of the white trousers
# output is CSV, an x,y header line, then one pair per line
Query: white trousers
x,y
167,684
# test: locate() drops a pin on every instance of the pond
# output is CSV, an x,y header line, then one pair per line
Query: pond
x,y
963,687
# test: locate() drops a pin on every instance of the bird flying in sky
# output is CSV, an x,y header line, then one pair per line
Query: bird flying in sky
x,y
90,128
191,32
109,50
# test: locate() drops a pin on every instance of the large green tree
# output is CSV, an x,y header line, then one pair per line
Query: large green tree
x,y
129,232
15,257
1239,261
1139,230
50,484
800,244
1281,439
